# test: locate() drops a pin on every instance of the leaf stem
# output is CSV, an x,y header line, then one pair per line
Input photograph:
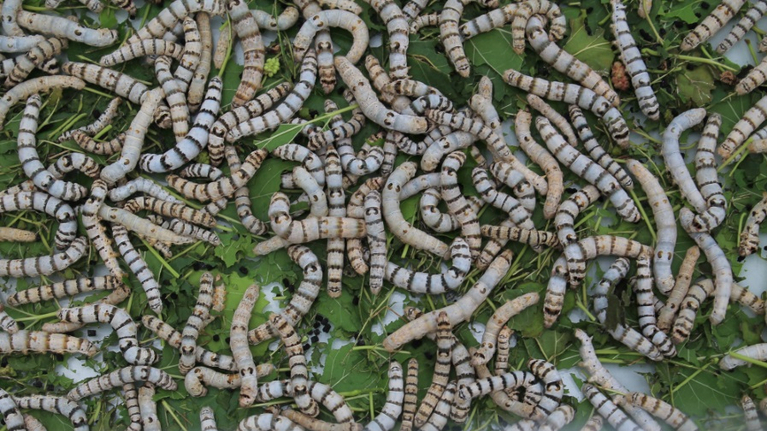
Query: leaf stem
x,y
170,411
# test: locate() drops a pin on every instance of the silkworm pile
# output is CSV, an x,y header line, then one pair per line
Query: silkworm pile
x,y
404,195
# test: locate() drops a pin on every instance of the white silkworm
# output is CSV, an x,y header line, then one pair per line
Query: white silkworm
x,y
64,28
10,27
441,376
498,320
750,414
62,406
312,228
665,223
324,46
457,204
755,351
588,248
308,422
500,397
720,265
516,175
595,423
25,342
574,94
224,187
755,77
174,94
432,156
333,18
45,265
371,106
588,170
595,150
675,163
17,235
555,117
399,40
6,322
410,399
201,170
106,148
238,343
688,310
170,209
19,43
170,16
608,410
35,57
752,119
200,77
331,400
661,409
285,110
337,208
122,323
707,178
427,20
387,419
130,395
143,185
558,419
510,381
11,413
393,214
120,294
30,160
74,161
553,387
459,311
564,221
299,374
225,36
242,198
518,212
207,419
142,48
284,21
711,24
116,82
451,38
437,220
376,236
749,238
190,58
119,378
244,24
54,207
267,422
502,355
566,63
438,419
340,132
542,158
413,8
194,323
642,286
754,14
310,161
632,59
148,408
681,286
96,230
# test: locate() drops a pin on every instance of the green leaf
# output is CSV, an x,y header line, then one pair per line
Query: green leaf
x,y
493,49
285,134
592,49
695,86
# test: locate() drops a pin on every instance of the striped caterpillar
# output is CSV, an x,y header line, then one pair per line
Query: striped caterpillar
x,y
238,343
511,381
40,201
35,57
143,185
397,27
588,170
148,408
498,320
142,48
304,296
66,29
170,209
201,170
677,294
438,149
707,178
139,267
121,377
569,209
267,422
595,150
355,209
675,163
19,43
242,198
459,311
171,15
755,77
665,223
45,265
661,409
12,416
337,208
542,158
642,287
96,230
122,323
224,187
555,117
17,235
720,265
565,62
376,236
308,422
25,342
174,94
323,45
755,351
130,395
285,20
244,24
600,245
752,119
503,399
308,159
749,238
194,323
608,410
410,399
223,45
451,38
519,209
10,27
141,227
558,419
207,419
457,205
750,414
387,419
553,387
299,374
333,18
574,94
340,131
502,355
285,110
106,148
711,24
312,228
200,76
438,419
441,376
437,220
68,408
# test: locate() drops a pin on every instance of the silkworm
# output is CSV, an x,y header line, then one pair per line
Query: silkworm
x,y
35,57
170,209
331,400
244,24
393,214
441,374
308,422
184,229
398,29
74,161
688,310
148,408
11,413
432,156
19,43
574,94
30,160
665,223
410,399
356,165
553,387
242,198
387,419
600,376
267,422
200,76
518,213
502,355
195,322
752,119
588,170
339,132
121,377
500,397
535,238
130,395
600,245
608,410
143,185
312,228
62,406
380,78
142,48
333,18
309,159
501,383
170,16
10,27
707,178
498,320
555,117
754,78
179,110
238,343
134,139
25,342
45,265
298,371
17,235
337,208
459,311
283,111
719,264
542,158
457,205
642,287
116,82
54,207
190,58
438,419
437,220
207,419
96,230
661,409
595,150
106,148
120,294
749,238
747,299
564,221
750,414
64,28
566,63
681,286
224,187
376,236
201,170
371,106
426,20
451,38
711,24
595,423
558,419
284,21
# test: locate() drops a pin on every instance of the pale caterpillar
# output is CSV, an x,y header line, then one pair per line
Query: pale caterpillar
x,y
457,205
502,354
45,265
299,373
171,15
595,423
437,220
588,170
451,39
432,156
595,150
413,8
309,159
74,161
661,409
755,351
507,381
286,19
376,236
174,94
380,78
441,376
312,228
283,111
54,207
106,148
68,408
337,208
143,185
553,387
339,130
308,422
331,400
170,209
201,170
750,414
665,223
17,235
600,376
304,297
758,146
498,320
707,179
148,408
142,48
25,342
242,198
200,76
399,41
688,309
518,209
608,410
410,399
720,266
223,45
267,422
500,397
207,419
599,245
11,414
224,187
438,419
642,287
65,28
755,77
96,230
244,24
749,238
574,94
426,20
120,294
752,119
324,46
30,160
190,58
130,395
355,209
675,297
19,43
333,18
393,214
555,117
6,322
711,24
35,57
520,178
542,158
569,209
747,299
459,311
116,82
238,343
134,139
558,419
10,9
566,63
195,323
387,419
185,229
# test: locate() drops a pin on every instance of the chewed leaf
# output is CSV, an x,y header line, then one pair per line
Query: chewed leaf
x,y
592,49
696,85
685,11
493,49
